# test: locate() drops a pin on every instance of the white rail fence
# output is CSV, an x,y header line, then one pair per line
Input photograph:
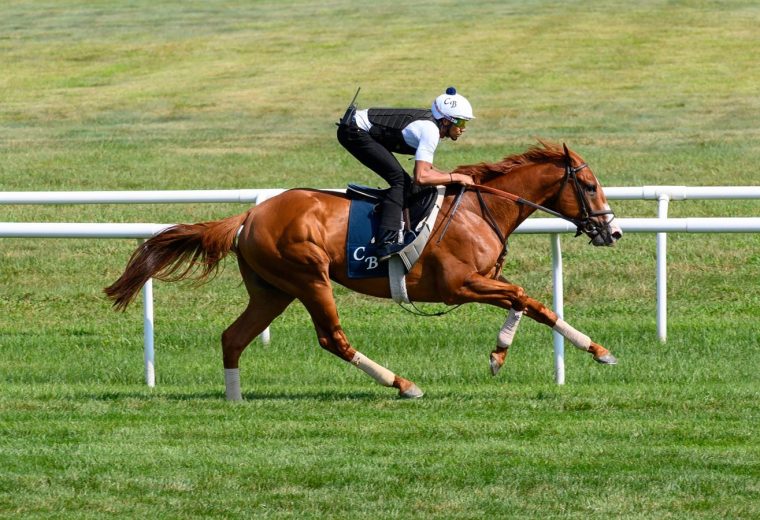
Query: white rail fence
x,y
554,227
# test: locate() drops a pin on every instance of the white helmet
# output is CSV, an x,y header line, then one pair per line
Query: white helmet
x,y
452,106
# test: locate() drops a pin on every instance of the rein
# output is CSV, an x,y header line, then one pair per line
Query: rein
x,y
582,224
478,188
519,200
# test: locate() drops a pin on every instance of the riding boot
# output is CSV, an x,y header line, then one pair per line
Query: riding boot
x,y
389,244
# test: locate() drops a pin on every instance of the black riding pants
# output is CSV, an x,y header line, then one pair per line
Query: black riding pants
x,y
380,160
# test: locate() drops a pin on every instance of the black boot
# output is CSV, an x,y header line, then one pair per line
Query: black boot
x,y
389,244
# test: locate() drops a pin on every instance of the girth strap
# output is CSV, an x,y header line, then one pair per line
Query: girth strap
x,y
488,216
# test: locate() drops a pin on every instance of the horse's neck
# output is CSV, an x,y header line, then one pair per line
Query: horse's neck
x,y
533,182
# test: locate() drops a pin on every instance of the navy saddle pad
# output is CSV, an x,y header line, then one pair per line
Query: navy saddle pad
x,y
363,222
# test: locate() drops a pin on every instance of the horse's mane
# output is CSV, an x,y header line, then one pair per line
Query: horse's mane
x,y
483,172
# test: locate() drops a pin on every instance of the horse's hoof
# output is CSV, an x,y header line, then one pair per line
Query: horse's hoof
x,y
606,359
497,359
495,366
413,392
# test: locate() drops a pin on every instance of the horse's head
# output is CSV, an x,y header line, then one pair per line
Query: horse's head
x,y
563,186
581,199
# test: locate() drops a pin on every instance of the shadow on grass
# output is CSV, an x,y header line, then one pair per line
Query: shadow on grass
x,y
322,396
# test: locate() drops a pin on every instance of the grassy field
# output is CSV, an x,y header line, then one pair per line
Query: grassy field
x,y
211,95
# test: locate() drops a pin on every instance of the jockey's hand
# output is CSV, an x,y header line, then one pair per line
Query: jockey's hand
x,y
461,178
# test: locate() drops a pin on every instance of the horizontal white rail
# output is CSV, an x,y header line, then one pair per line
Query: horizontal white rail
x,y
136,197
652,225
78,230
683,192
534,225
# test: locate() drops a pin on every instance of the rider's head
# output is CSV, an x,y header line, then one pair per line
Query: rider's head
x,y
452,111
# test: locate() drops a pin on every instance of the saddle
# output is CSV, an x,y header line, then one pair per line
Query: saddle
x,y
416,206
420,211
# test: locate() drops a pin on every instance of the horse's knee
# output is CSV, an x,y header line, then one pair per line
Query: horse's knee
x,y
518,298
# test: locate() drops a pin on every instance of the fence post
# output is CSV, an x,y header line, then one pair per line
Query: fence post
x,y
558,303
662,271
150,370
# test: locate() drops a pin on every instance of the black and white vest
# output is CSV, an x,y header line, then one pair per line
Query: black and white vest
x,y
387,124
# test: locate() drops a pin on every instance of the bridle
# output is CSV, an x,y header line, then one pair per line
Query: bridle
x,y
583,223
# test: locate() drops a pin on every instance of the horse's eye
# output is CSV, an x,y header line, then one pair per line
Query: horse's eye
x,y
591,188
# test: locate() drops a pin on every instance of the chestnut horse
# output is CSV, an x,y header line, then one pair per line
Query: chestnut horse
x,y
292,245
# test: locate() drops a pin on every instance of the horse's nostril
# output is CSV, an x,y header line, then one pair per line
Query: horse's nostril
x,y
617,235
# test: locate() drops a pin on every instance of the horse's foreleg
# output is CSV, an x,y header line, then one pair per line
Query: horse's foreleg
x,y
503,294
331,337
540,313
504,340
505,337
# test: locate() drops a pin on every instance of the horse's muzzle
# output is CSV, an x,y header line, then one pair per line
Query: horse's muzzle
x,y
603,233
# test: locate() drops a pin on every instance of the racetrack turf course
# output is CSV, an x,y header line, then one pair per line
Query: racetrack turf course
x,y
199,95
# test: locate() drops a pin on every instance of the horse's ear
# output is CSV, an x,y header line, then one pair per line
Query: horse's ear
x,y
567,152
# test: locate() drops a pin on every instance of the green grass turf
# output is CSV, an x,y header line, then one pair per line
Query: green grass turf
x,y
210,95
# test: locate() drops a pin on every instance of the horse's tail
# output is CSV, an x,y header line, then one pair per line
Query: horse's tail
x,y
201,245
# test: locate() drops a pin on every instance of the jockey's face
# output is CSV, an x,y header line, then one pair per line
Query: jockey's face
x,y
450,130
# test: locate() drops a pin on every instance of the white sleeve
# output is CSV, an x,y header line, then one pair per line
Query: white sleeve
x,y
424,136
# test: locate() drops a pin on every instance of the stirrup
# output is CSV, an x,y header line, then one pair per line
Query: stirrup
x,y
388,249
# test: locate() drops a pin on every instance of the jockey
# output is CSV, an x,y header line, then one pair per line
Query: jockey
x,y
373,135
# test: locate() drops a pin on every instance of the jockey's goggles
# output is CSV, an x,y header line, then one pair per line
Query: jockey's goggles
x,y
459,123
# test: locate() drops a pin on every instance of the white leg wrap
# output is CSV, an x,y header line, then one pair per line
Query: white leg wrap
x,y
379,373
575,337
507,332
232,384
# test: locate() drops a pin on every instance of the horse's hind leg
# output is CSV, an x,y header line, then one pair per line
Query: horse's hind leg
x,y
324,314
266,303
